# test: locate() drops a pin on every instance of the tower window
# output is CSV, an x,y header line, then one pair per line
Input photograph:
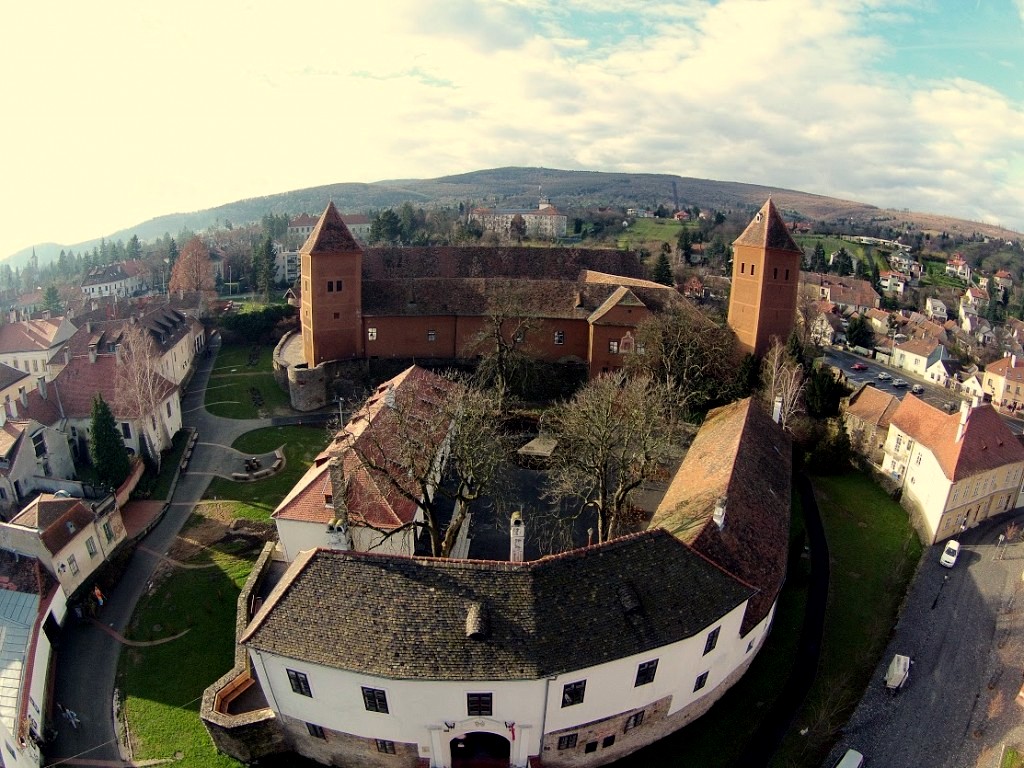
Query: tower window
x,y
371,334
330,286
775,273
431,335
787,274
743,268
337,285
751,270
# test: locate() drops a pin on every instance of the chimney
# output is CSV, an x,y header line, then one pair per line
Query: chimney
x,y
12,316
41,385
23,394
3,415
965,416
339,487
88,326
67,355
14,408
389,398
719,514
777,410
517,533
92,353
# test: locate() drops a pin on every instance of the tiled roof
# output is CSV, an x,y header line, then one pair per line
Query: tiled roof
x,y
370,438
621,296
111,273
1007,366
922,347
45,410
51,516
9,376
742,458
29,335
330,234
10,432
987,443
768,230
842,290
81,380
406,618
872,406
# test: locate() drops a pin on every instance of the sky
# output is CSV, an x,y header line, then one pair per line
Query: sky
x,y
119,111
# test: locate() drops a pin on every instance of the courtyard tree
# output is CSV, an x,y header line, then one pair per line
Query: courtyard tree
x,y
612,436
439,448
501,345
691,354
141,388
193,272
262,267
106,449
782,383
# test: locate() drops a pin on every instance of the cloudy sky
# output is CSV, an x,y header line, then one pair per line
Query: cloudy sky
x,y
115,112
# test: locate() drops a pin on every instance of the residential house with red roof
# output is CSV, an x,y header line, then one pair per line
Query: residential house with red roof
x,y
956,470
867,415
847,293
30,345
344,500
1003,381
70,537
957,266
575,659
917,355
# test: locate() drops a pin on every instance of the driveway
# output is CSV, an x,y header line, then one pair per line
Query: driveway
x,y
964,630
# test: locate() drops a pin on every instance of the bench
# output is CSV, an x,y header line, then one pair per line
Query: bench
x,y
277,465
239,476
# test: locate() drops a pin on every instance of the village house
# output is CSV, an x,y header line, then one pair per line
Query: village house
x,y
936,310
1004,280
847,293
113,280
683,609
970,385
893,283
868,413
1002,381
957,266
944,372
33,456
973,301
956,470
916,356
827,329
29,345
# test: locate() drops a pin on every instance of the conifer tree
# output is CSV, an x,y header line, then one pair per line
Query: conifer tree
x,y
663,270
107,449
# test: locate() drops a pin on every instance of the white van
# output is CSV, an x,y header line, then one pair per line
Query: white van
x,y
852,759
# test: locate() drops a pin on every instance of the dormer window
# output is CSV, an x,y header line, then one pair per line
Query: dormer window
x,y
71,526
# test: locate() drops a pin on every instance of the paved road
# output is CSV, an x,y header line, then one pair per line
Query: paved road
x,y
963,629
86,663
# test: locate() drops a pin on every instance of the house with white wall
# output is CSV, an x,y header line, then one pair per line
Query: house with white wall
x,y
916,356
956,470
112,280
575,659
29,345
32,456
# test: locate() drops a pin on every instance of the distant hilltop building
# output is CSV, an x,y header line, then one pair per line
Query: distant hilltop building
x,y
543,221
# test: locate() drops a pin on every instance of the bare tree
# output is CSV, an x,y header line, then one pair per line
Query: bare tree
x,y
782,380
502,343
429,450
691,354
141,388
193,272
612,436
807,311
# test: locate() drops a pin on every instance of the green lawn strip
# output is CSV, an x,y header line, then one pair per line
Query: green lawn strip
x,y
644,231
236,356
873,552
717,739
169,462
230,396
301,446
1012,758
162,685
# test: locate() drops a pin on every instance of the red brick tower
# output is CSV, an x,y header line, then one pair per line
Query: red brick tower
x,y
765,273
331,270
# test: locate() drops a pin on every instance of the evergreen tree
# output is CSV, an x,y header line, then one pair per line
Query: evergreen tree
x,y
107,449
685,245
843,263
134,248
795,347
663,271
818,261
263,267
51,300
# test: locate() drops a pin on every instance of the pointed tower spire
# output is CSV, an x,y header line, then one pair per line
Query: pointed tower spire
x,y
768,230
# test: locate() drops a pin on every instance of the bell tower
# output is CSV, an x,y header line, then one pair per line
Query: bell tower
x,y
331,271
765,274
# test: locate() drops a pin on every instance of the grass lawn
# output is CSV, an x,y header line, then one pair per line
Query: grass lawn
x,y
874,552
259,498
1012,758
935,274
157,488
162,685
228,391
643,231
717,739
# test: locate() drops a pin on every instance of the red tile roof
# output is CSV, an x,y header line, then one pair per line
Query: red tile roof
x,y
81,380
1009,366
51,516
987,443
29,335
330,234
768,230
872,406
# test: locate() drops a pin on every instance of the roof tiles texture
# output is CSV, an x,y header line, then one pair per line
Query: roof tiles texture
x,y
768,230
571,611
29,335
873,406
330,234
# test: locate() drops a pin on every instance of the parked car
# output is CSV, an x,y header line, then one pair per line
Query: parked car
x,y
899,383
852,759
950,553
917,389
858,367
883,376
951,407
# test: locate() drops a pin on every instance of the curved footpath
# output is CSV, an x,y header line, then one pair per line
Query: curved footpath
x,y
86,662
769,735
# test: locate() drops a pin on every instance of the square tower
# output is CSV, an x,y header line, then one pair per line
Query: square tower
x,y
765,274
331,271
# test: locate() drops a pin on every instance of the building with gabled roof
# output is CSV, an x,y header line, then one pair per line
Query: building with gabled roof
x,y
113,280
868,413
765,276
543,221
956,470
481,657
917,355
1003,381
29,345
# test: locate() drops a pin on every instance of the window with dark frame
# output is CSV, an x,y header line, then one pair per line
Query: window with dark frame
x,y
126,430
337,286
39,444
712,641
371,334
315,731
591,747
431,335
386,746
645,673
299,683
567,742
702,680
634,721
375,700
572,693
90,546
330,286
479,704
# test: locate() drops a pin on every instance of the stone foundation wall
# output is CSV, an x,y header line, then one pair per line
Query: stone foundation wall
x,y
307,387
346,750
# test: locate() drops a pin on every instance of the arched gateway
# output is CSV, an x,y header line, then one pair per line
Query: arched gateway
x,y
480,749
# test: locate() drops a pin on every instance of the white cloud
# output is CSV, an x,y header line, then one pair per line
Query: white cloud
x,y
132,111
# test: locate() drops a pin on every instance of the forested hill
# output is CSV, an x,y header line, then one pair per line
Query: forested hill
x,y
568,190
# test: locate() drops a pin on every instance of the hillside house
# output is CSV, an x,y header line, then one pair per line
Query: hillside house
x,y
956,470
936,310
543,221
916,356
868,413
957,266
847,293
113,280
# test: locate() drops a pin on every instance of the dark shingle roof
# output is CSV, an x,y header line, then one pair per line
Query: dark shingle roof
x,y
402,617
330,234
768,230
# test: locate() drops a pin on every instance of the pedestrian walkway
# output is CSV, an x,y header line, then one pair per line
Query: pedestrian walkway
x,y
87,657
